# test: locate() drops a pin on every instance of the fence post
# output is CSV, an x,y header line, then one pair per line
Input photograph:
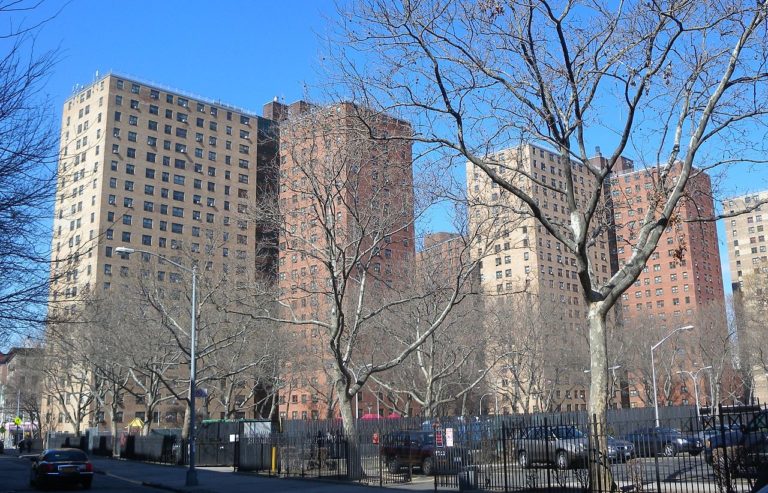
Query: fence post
x,y
656,458
504,455
726,465
546,453
593,467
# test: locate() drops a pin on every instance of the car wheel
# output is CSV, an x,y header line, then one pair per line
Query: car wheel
x,y
428,466
522,459
87,483
669,450
561,460
394,466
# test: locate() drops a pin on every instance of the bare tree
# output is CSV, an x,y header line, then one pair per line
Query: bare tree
x,y
670,78
348,217
28,149
543,362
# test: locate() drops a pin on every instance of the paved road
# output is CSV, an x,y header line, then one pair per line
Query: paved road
x,y
14,477
117,476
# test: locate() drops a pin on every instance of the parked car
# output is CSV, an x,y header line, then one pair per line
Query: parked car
x,y
750,444
564,446
619,450
663,441
420,449
55,467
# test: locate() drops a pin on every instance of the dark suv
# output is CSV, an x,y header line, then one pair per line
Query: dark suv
x,y
419,449
749,444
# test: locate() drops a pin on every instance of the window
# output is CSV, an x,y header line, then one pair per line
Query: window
x,y
178,179
177,228
177,195
126,236
154,110
133,120
135,88
178,212
146,223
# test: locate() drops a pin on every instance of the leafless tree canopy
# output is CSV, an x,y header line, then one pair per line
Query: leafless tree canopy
x,y
673,79
28,141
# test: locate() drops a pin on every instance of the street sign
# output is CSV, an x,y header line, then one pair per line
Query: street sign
x,y
449,437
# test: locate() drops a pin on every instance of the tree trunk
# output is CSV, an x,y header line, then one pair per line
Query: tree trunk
x,y
601,478
354,461
185,428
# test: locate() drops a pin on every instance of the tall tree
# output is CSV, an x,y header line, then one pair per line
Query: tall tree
x,y
28,152
672,78
347,222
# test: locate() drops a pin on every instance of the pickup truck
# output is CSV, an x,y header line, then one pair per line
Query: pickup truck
x,y
749,444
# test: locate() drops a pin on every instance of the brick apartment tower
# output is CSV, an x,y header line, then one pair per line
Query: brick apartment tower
x,y
149,168
683,276
519,254
334,178
746,234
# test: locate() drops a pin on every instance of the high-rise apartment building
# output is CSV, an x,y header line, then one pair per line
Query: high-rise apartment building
x,y
346,202
153,169
683,276
745,234
521,258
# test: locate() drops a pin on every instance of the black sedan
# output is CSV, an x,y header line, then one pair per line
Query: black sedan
x,y
61,466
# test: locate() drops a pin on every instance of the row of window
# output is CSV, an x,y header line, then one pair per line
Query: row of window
x,y
180,101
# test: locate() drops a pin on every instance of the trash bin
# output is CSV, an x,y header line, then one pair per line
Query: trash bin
x,y
468,478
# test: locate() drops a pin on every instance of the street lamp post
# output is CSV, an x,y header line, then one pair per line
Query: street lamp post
x,y
653,370
496,409
191,479
695,377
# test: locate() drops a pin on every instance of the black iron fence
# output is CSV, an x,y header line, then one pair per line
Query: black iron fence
x,y
723,450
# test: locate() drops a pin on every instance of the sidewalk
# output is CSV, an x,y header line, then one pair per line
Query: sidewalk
x,y
224,480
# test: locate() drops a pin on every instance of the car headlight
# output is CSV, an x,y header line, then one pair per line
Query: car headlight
x,y
611,450
441,453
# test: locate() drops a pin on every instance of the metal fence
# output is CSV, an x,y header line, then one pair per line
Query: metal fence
x,y
723,450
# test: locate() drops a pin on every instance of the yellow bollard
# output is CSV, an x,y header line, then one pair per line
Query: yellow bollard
x,y
274,459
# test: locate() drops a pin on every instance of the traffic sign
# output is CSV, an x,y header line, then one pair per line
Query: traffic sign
x,y
17,421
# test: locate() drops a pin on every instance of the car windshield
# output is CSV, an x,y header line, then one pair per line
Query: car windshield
x,y
567,432
65,455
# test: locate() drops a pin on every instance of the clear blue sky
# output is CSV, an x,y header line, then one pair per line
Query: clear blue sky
x,y
240,52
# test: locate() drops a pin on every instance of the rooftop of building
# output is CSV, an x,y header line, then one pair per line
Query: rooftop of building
x,y
78,89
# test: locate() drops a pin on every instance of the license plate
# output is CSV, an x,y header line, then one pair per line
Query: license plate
x,y
68,469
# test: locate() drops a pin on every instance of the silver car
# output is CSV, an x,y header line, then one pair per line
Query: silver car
x,y
564,446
